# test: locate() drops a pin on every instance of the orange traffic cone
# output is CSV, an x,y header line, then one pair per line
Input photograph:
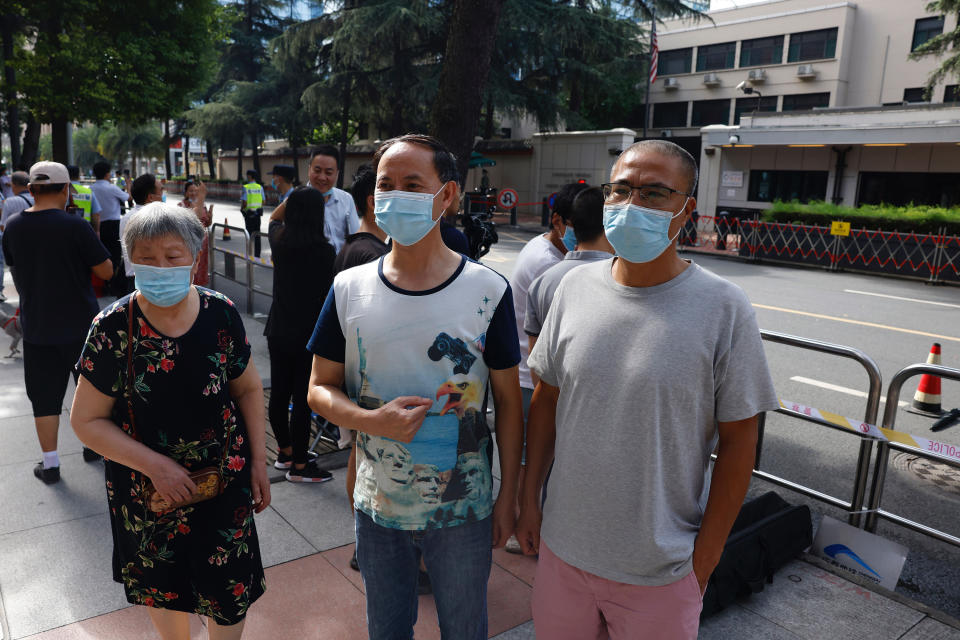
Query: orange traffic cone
x,y
226,229
926,401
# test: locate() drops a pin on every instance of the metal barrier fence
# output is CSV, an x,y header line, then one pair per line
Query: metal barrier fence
x,y
883,454
711,233
229,261
853,507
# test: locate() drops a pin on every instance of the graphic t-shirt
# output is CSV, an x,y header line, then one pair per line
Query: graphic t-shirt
x,y
439,344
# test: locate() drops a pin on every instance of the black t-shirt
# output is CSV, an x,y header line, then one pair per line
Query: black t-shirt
x,y
359,248
301,278
454,238
50,254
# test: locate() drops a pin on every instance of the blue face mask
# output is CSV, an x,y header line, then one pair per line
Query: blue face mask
x,y
569,239
638,234
406,216
163,197
162,286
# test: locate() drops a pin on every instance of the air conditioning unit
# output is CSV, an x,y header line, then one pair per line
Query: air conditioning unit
x,y
806,71
711,80
671,84
756,75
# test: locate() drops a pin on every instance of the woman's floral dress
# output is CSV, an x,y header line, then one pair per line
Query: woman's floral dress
x,y
204,558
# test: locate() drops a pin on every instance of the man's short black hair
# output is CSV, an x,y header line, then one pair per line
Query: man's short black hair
x,y
563,203
443,161
143,187
586,215
44,189
326,150
100,170
364,182
252,173
74,171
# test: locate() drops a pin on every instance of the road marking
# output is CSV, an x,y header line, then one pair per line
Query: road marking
x,y
511,236
838,388
857,322
884,295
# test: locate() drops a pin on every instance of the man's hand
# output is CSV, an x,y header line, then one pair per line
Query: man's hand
x,y
399,419
171,480
261,487
703,566
504,521
528,530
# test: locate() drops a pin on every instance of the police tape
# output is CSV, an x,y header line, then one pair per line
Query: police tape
x,y
872,431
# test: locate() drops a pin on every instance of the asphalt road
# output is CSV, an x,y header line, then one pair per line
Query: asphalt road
x,y
893,321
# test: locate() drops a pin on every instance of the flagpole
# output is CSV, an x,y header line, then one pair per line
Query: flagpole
x,y
646,98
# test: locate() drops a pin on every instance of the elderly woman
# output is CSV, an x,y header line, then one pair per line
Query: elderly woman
x,y
194,401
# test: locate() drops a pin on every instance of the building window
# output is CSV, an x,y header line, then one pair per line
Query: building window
x,y
952,93
710,112
900,189
806,101
761,51
746,106
716,56
767,186
914,95
812,45
924,29
669,114
674,61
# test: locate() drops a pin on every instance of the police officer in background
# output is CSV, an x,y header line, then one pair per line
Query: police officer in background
x,y
251,205
83,199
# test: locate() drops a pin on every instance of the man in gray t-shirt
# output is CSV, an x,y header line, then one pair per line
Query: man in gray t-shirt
x,y
646,363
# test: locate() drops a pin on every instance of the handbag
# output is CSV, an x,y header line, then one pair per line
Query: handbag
x,y
209,480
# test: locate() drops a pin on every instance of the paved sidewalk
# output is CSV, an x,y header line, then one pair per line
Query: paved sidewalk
x,y
55,581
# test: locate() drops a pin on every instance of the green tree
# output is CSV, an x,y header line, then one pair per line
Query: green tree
x,y
947,43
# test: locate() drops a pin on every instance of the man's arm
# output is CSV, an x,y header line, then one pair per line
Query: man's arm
x,y
104,270
509,430
736,453
541,438
531,341
279,211
399,419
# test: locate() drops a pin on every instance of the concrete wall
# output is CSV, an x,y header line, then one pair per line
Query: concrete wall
x,y
561,158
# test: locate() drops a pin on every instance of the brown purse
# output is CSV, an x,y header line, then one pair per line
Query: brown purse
x,y
209,480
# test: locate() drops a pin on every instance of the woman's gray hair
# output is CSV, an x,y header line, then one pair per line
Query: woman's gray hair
x,y
159,219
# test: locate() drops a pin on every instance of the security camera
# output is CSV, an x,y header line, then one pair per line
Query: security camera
x,y
741,86
734,139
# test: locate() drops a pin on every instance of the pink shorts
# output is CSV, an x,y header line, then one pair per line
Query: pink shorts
x,y
572,604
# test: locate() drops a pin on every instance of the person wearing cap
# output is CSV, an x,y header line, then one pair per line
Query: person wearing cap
x,y
284,176
251,206
19,200
84,199
51,255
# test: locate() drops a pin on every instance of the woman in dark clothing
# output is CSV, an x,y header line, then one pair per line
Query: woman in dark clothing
x,y
302,275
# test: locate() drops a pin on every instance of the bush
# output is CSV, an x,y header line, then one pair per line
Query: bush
x,y
911,218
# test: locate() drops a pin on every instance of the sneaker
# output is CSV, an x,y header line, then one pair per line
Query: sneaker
x,y
89,455
310,473
423,584
513,546
353,561
48,476
284,461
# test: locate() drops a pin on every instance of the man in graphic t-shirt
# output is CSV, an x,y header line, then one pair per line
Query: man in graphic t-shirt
x,y
414,337
635,521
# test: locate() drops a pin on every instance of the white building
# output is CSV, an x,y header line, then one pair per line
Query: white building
x,y
838,111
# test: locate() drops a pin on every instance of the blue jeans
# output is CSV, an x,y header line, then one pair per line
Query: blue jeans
x,y
458,560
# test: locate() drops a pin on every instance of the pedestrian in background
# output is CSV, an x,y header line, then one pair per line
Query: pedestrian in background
x,y
251,206
144,190
369,242
284,176
51,255
83,198
302,275
19,200
194,198
112,199
168,388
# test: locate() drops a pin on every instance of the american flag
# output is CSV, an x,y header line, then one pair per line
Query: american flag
x,y
653,53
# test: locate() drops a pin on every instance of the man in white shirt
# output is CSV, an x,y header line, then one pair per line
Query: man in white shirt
x,y
111,199
340,217
144,190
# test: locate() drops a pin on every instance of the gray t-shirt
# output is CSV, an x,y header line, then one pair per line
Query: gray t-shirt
x,y
645,374
541,291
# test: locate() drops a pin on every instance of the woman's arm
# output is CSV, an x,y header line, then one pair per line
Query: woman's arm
x,y
90,418
247,392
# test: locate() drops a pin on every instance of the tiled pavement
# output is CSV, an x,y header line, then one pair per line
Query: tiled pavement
x,y
55,581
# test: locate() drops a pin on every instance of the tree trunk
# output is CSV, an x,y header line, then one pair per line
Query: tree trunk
x,y
296,163
186,157
255,140
59,135
166,149
210,163
240,161
10,89
344,128
31,141
488,122
463,79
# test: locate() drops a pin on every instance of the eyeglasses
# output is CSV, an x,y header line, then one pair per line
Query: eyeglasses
x,y
620,192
